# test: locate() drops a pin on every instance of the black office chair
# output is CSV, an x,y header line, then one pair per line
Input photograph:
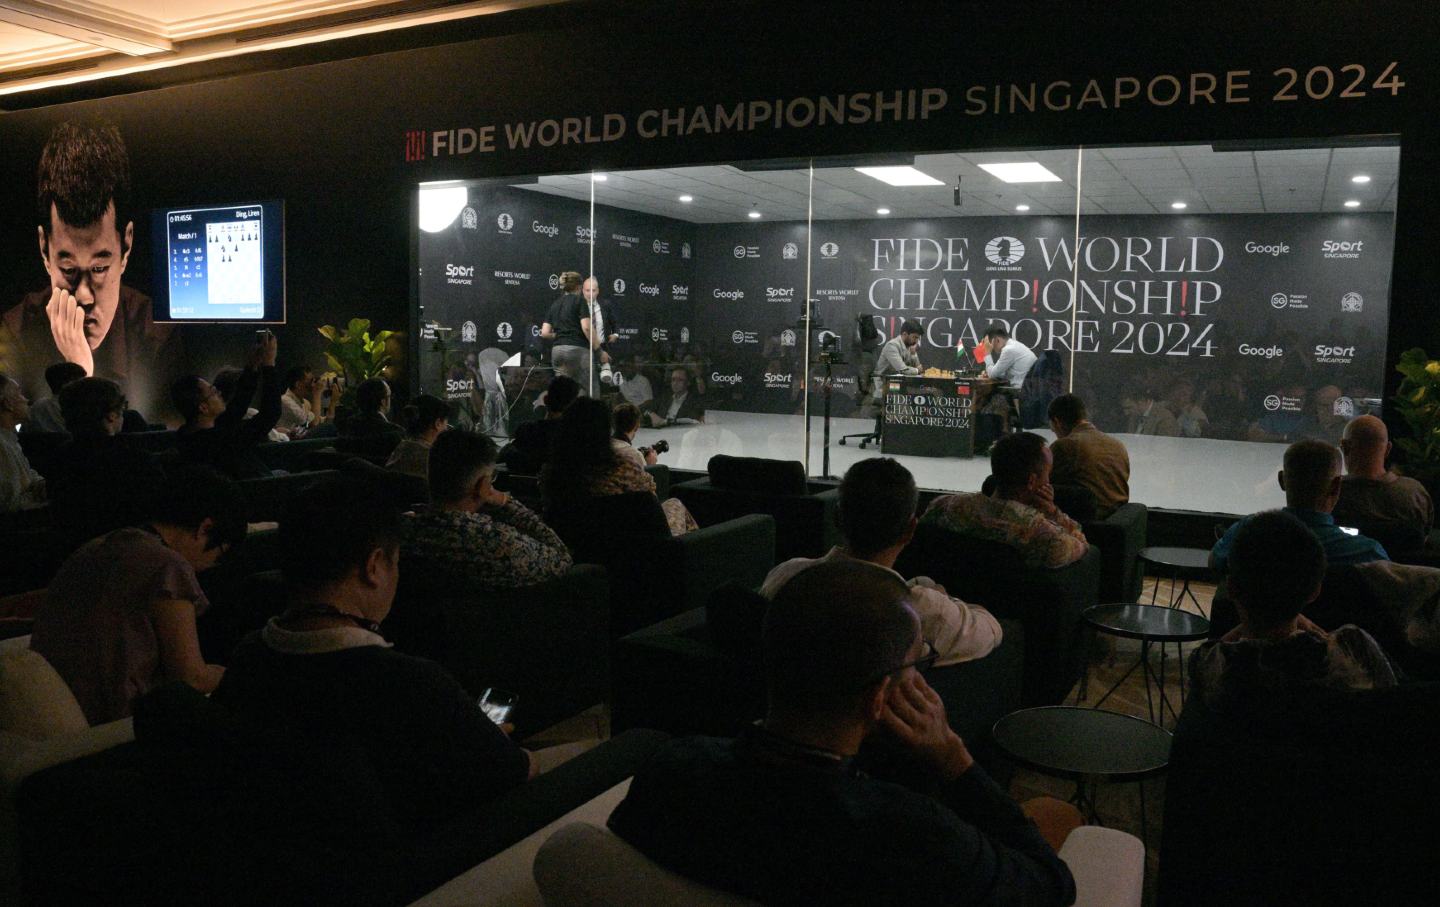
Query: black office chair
x,y
869,437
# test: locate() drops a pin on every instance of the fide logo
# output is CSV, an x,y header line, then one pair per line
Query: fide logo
x,y
829,250
504,331
554,281
1272,403
505,222
619,285
919,401
1004,250
469,220
787,337
1352,302
790,251
1279,300
468,332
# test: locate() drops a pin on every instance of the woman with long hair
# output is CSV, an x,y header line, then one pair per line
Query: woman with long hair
x,y
584,465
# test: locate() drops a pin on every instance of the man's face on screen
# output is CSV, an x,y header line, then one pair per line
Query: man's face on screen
x,y
88,261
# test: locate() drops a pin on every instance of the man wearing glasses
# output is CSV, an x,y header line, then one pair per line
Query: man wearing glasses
x,y
85,236
783,815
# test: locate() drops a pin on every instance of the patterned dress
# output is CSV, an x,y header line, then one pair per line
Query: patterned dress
x,y
629,475
1043,541
498,547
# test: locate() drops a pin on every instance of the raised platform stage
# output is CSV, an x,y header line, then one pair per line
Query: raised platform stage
x,y
1199,474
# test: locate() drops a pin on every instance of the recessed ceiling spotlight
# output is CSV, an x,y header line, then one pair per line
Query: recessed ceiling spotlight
x,y
1359,178
900,176
1178,205
687,199
882,211
1022,207
754,215
599,177
1353,203
1022,172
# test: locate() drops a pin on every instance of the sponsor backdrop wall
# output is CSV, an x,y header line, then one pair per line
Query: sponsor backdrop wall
x,y
1289,304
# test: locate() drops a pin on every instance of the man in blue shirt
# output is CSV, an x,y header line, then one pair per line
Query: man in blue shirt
x,y
1311,480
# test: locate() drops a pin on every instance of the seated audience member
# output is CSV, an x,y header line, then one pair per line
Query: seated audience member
x,y
216,433
1085,456
679,405
98,483
1147,416
227,382
119,617
1022,511
584,465
45,415
1372,496
20,486
322,672
1180,400
877,519
1311,480
527,452
1276,569
1322,422
636,388
372,412
783,815
626,419
474,536
426,418
302,412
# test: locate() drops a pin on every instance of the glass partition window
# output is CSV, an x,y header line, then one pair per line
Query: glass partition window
x,y
1209,303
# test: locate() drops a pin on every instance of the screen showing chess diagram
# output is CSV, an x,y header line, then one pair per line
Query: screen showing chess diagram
x,y
216,263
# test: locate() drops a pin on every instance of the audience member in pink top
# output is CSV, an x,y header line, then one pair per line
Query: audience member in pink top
x,y
119,617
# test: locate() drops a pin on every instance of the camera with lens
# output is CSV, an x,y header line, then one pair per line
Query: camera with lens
x,y
661,446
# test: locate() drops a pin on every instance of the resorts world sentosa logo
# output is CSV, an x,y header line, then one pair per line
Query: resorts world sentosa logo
x,y
790,251
1352,302
469,220
505,222
468,332
787,338
1004,251
685,250
684,335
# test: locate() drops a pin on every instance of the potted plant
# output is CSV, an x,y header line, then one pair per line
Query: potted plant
x,y
356,355
1418,403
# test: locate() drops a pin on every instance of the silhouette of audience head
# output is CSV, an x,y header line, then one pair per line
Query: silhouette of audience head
x,y
1276,567
878,499
1311,475
92,406
835,637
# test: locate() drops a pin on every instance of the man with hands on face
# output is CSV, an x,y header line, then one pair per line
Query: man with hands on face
x,y
1022,512
783,813
898,356
85,238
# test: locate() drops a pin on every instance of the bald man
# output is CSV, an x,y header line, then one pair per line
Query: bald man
x,y
1374,499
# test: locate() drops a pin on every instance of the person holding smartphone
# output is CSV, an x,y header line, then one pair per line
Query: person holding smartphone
x,y
216,433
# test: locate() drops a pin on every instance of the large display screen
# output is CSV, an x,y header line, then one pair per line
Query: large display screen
x,y
220,263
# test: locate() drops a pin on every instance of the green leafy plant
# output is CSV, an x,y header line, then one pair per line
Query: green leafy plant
x,y
1418,402
356,354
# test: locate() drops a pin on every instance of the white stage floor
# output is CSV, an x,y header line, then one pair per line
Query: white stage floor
x,y
1235,477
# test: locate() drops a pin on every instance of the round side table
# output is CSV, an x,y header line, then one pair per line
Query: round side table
x,y
1180,565
1150,624
1086,746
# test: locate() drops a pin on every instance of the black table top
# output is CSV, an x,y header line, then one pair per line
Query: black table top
x,y
1152,622
1183,558
1069,742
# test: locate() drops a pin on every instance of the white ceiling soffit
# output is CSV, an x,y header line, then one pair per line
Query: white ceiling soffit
x,y
1119,180
64,42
